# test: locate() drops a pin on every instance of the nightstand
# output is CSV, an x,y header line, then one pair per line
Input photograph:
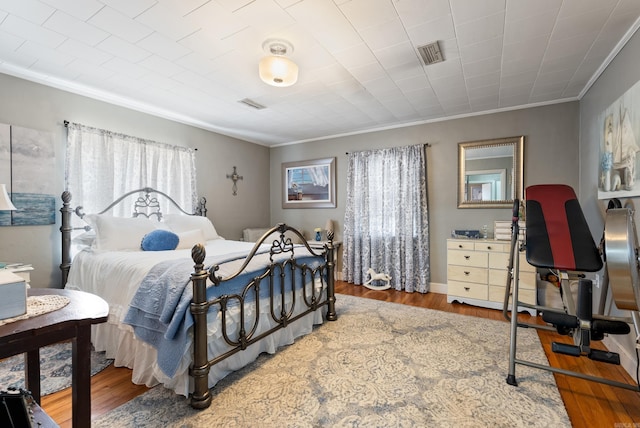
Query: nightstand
x,y
321,244
336,248
23,270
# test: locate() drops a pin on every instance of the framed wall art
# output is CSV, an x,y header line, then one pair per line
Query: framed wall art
x,y
619,146
27,166
309,184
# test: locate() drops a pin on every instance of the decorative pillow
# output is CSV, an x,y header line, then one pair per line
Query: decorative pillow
x,y
120,233
185,223
159,240
190,238
86,239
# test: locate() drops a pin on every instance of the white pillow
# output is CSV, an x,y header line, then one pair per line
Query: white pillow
x,y
185,223
190,238
85,239
119,233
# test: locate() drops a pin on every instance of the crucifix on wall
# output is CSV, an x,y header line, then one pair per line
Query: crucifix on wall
x,y
234,177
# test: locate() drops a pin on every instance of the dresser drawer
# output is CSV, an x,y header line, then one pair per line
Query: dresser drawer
x,y
460,245
467,274
496,294
468,258
499,260
491,246
528,280
499,277
524,265
468,290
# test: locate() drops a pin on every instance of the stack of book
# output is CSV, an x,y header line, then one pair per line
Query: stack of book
x,y
502,230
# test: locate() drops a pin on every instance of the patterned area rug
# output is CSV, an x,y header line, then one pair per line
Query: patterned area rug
x,y
380,365
55,368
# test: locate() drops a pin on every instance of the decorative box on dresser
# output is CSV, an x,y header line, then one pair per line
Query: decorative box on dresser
x,y
477,273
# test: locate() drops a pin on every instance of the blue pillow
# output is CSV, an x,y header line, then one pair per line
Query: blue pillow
x,y
159,240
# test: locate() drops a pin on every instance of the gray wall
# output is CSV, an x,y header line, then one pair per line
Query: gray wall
x,y
40,107
619,76
551,156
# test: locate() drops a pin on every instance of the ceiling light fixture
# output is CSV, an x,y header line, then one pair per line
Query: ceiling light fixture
x,y
276,69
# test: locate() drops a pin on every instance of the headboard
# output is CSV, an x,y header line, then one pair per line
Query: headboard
x,y
146,204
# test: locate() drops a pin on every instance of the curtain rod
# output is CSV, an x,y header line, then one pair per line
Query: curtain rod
x,y
66,125
425,144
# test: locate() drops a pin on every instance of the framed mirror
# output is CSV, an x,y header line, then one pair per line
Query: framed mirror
x,y
490,172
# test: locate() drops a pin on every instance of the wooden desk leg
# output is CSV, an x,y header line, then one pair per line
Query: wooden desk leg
x,y
32,373
81,378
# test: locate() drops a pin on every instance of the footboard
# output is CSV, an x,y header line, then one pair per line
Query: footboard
x,y
282,276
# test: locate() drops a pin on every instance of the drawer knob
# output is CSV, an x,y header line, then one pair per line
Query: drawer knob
x,y
488,247
467,257
459,245
466,272
466,288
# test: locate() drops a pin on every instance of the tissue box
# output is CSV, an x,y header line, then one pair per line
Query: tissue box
x,y
13,290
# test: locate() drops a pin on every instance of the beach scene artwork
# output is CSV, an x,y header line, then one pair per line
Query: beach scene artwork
x,y
27,167
619,146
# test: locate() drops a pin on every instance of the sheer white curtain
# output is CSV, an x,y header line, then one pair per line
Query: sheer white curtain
x,y
386,225
102,165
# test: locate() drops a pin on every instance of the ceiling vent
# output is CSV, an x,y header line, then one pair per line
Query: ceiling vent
x,y
431,53
252,103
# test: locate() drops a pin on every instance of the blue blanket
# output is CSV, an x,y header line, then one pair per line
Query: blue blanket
x,y
159,311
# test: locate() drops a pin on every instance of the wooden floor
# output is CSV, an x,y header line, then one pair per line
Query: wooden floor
x,y
589,404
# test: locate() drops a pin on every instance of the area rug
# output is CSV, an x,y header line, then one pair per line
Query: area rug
x,y
55,368
379,365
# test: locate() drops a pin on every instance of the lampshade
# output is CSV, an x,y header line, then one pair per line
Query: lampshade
x,y
329,225
276,69
5,202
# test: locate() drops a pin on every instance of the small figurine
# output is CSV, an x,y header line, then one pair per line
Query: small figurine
x,y
377,277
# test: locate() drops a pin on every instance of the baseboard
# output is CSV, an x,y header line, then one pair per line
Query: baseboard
x,y
627,357
435,287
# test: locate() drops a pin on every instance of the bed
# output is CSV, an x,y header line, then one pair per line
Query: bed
x,y
186,313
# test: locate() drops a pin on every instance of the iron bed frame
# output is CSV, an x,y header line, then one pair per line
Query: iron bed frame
x,y
147,205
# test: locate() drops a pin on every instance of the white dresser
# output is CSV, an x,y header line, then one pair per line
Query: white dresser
x,y
477,273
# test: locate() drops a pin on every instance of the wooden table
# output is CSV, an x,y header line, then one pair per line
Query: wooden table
x,y
73,322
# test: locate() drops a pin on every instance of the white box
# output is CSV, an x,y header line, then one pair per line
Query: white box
x,y
13,290
502,230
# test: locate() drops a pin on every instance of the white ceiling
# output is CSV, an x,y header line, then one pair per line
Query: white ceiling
x,y
193,60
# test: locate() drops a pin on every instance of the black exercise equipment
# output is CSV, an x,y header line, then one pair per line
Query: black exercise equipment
x,y
558,238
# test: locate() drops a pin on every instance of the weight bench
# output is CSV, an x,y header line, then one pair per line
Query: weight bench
x,y
558,238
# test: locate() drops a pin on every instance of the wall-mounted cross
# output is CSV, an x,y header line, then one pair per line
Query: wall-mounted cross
x,y
234,177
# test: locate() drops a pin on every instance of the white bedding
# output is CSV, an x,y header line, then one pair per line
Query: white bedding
x,y
115,275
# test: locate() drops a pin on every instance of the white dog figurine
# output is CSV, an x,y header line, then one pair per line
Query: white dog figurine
x,y
377,277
